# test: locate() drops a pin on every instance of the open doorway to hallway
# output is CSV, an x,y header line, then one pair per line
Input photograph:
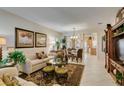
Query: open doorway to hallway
x,y
90,43
86,41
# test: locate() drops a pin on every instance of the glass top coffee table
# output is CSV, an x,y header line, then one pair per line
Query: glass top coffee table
x,y
54,63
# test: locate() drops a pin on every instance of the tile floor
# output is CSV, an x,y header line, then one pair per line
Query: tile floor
x,y
94,73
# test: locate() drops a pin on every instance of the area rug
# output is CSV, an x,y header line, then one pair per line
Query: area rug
x,y
74,76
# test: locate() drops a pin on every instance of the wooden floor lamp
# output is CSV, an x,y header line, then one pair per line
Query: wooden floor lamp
x,y
2,42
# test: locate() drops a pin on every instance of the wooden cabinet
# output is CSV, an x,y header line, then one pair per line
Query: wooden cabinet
x,y
109,46
116,67
112,62
106,61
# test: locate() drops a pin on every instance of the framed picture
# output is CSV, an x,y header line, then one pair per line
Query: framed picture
x,y
24,38
40,39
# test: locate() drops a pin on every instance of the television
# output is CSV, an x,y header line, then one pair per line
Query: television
x,y
120,49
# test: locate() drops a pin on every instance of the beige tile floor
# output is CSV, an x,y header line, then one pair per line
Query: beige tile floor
x,y
94,73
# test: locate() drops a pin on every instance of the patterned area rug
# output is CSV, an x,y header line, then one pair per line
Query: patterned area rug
x,y
74,76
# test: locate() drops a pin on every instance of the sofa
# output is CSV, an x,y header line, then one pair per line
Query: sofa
x,y
33,64
14,73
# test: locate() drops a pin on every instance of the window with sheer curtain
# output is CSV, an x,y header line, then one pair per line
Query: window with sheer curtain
x,y
51,45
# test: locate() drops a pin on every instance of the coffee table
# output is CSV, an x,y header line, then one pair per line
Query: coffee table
x,y
53,63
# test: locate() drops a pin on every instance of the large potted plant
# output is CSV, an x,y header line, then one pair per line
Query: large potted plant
x,y
57,44
119,77
60,42
64,42
17,57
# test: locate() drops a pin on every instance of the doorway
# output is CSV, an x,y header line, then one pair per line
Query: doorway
x,y
90,43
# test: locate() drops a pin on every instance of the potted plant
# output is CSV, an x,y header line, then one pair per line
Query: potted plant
x,y
119,76
58,44
64,42
17,57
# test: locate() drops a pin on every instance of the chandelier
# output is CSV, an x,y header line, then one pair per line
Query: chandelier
x,y
74,36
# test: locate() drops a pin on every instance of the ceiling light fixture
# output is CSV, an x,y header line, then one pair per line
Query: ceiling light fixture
x,y
74,36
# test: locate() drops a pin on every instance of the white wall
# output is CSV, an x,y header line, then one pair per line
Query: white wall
x,y
101,54
9,21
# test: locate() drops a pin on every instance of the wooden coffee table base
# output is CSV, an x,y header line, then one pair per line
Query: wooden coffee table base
x,y
48,73
61,75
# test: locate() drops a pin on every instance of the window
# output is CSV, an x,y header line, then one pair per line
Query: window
x,y
51,45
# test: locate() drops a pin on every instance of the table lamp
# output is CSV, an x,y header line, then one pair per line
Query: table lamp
x,y
2,43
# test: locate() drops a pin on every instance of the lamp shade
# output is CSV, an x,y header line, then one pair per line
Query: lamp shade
x,y
2,41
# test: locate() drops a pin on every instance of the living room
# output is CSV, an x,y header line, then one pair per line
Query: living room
x,y
47,46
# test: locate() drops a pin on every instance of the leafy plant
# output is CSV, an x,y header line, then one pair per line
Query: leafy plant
x,y
4,61
58,43
64,42
119,76
17,56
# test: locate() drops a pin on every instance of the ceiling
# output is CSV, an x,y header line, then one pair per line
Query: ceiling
x,y
64,19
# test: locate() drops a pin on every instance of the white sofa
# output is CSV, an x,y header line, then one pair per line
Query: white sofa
x,y
33,64
14,72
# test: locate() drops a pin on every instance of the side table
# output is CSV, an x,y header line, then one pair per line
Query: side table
x,y
61,75
48,73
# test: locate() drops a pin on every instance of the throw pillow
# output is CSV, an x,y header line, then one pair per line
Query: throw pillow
x,y
2,83
10,81
7,80
38,55
44,56
15,82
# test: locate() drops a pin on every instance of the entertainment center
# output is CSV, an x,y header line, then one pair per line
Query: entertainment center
x,y
114,54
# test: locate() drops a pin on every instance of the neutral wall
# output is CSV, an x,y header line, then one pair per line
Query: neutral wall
x,y
9,21
101,54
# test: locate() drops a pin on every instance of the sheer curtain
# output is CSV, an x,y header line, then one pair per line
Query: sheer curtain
x,y
51,44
